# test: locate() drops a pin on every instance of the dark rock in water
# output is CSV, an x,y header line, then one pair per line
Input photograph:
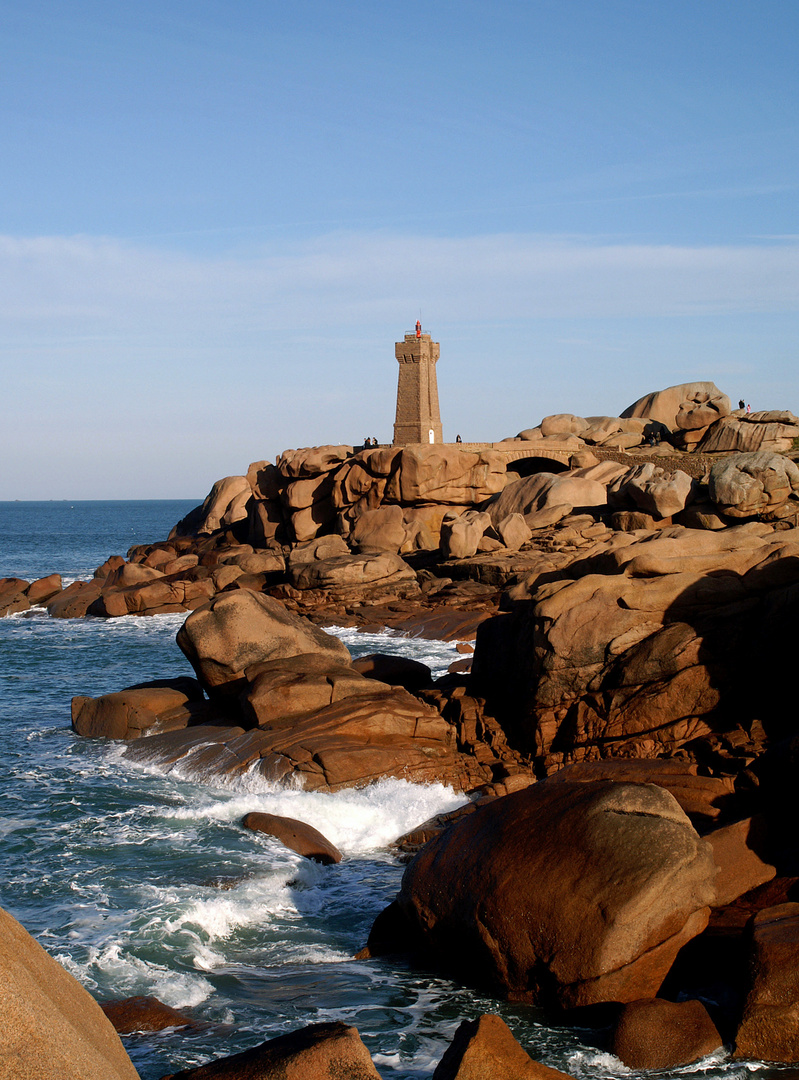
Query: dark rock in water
x,y
559,894
44,589
143,1014
321,1051
296,835
130,713
12,596
770,1025
51,1026
485,1049
74,601
394,670
658,1034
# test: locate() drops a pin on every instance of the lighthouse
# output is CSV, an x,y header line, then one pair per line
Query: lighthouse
x,y
418,419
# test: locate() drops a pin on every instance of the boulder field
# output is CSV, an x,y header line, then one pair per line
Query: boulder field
x,y
624,728
53,1030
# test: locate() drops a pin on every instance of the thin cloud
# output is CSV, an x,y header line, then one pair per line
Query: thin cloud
x,y
103,286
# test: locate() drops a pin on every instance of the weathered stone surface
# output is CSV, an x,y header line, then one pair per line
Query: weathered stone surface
x,y
312,461
278,690
352,742
129,714
264,480
514,531
351,571
623,440
565,894
301,494
638,649
52,1028
461,533
563,424
658,1034
296,835
43,589
485,1049
12,596
323,547
305,524
746,485
379,530
445,474
74,601
143,1014
394,670
741,852
532,493
318,1052
769,1028
225,504
600,428
664,405
237,629
752,433
703,799
132,574
652,490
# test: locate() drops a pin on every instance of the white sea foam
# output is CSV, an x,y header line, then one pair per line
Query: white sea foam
x,y
356,820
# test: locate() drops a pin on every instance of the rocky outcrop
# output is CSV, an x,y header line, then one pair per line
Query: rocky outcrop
x,y
659,1034
769,1028
652,490
18,595
751,485
485,1049
131,713
544,490
461,533
637,649
52,1028
560,894
698,404
238,629
749,433
351,742
322,1051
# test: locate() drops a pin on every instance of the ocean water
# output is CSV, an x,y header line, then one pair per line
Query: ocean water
x,y
143,882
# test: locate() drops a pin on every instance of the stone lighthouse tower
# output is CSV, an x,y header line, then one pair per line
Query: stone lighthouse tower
x,y
418,419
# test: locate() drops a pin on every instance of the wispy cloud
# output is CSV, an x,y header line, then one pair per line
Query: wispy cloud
x,y
102,286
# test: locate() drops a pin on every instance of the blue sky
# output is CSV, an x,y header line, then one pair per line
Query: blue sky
x,y
216,219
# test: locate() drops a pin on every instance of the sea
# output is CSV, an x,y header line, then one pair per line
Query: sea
x,y
141,881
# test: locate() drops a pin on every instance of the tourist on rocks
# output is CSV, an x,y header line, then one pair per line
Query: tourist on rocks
x,y
458,439
742,404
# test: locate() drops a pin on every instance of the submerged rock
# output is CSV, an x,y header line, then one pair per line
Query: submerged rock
x,y
296,835
485,1049
322,1051
143,1014
658,1034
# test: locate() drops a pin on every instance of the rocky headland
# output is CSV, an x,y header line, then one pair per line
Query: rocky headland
x,y
625,591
